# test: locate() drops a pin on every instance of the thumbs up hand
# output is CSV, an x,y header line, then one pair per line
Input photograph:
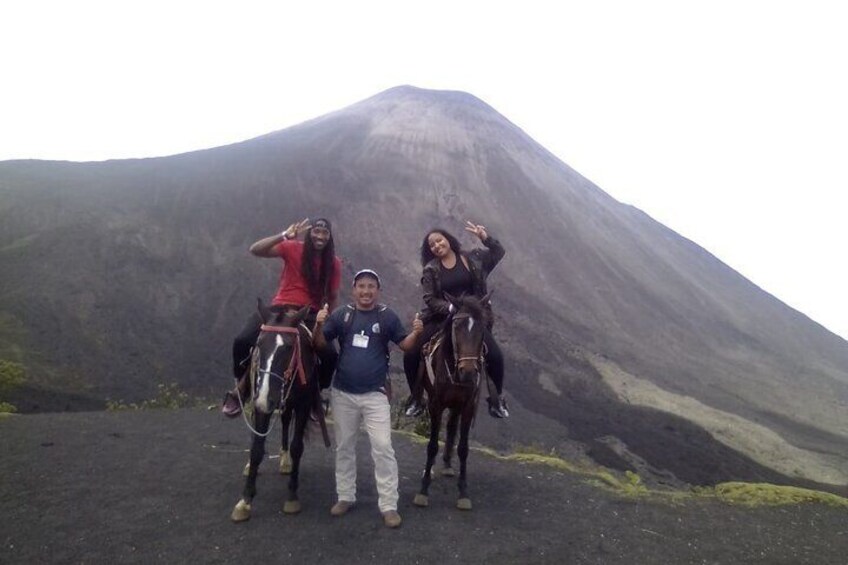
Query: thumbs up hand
x,y
417,324
322,314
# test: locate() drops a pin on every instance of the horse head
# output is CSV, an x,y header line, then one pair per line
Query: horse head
x,y
276,357
467,330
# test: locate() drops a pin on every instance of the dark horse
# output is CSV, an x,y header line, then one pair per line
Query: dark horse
x,y
455,369
282,376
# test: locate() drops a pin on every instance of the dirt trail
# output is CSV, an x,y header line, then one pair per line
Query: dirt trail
x,y
159,486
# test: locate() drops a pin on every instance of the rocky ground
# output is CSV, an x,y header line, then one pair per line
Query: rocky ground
x,y
158,486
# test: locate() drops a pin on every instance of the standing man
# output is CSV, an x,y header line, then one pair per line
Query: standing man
x,y
360,389
311,275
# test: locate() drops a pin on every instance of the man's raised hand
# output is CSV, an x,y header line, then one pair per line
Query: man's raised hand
x,y
321,317
417,324
296,229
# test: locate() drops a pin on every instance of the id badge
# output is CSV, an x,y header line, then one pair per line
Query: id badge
x,y
360,340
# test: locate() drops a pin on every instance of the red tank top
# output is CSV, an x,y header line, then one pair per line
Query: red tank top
x,y
293,288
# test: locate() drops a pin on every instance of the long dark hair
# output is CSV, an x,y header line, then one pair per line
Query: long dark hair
x,y
427,255
318,283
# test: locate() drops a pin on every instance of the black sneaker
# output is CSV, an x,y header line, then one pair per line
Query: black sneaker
x,y
498,407
504,409
415,409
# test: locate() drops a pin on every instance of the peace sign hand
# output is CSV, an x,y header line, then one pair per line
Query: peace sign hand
x,y
296,229
477,229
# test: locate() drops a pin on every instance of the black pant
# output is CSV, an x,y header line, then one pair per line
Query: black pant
x,y
494,357
246,339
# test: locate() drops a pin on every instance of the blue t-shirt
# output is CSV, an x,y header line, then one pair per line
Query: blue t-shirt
x,y
364,347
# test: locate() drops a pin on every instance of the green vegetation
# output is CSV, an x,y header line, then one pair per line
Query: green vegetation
x,y
764,494
12,375
169,396
19,244
6,408
631,485
12,337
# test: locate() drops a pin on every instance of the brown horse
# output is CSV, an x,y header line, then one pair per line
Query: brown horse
x,y
283,378
455,370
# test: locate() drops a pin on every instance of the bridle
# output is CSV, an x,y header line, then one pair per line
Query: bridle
x,y
457,359
295,366
295,363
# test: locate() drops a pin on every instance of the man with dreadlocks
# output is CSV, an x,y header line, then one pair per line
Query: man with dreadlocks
x,y
311,275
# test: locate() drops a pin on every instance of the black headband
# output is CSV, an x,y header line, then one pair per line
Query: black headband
x,y
322,223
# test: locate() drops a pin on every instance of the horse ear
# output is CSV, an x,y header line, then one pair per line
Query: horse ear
x,y
262,310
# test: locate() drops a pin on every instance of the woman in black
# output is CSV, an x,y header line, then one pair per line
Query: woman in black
x,y
449,269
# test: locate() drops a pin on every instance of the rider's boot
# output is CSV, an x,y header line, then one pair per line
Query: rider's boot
x,y
414,407
498,407
231,406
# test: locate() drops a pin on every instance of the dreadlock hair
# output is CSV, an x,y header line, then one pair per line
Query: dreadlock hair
x,y
318,283
427,255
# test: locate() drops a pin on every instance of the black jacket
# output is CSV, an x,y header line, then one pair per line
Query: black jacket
x,y
480,263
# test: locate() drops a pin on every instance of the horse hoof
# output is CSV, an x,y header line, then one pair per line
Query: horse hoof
x,y
241,512
421,500
291,507
448,472
464,504
285,463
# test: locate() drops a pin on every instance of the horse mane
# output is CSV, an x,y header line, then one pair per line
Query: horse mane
x,y
284,318
473,306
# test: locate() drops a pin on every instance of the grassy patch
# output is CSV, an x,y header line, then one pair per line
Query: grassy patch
x,y
19,244
169,396
764,494
630,485
12,375
6,408
12,335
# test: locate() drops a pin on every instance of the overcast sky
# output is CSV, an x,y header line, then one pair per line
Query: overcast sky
x,y
727,121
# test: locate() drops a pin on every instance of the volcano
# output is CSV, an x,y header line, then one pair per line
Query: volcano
x,y
623,339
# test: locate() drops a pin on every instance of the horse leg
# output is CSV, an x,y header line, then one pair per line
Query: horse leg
x,y
421,499
464,503
241,512
285,456
450,440
292,505
285,459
